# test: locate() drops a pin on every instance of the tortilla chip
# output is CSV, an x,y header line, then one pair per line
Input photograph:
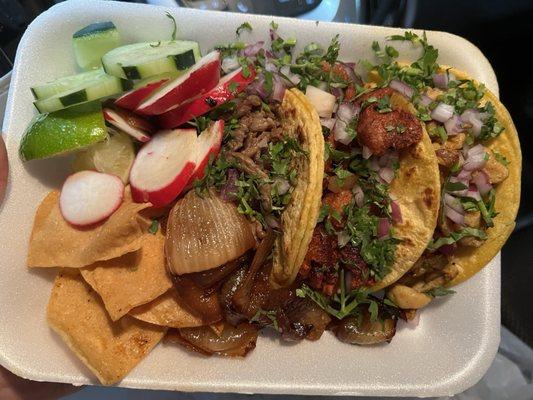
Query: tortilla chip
x,y
299,217
109,349
56,243
131,280
167,310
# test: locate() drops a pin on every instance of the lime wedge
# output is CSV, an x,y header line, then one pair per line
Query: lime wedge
x,y
63,131
114,156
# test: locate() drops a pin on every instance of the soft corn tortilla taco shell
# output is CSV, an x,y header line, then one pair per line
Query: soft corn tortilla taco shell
x,y
471,260
56,243
167,310
299,218
133,279
109,349
416,190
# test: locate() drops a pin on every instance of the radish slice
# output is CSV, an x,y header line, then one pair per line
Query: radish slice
x,y
203,76
321,100
226,90
208,144
131,100
163,167
88,197
118,121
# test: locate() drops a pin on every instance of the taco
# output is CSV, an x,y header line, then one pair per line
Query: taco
x,y
479,157
381,199
265,184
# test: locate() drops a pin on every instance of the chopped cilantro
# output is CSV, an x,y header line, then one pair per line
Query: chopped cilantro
x,y
233,86
245,26
271,315
383,105
274,25
439,291
455,237
501,158
154,226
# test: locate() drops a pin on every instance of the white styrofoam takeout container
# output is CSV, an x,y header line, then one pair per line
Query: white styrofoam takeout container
x,y
448,352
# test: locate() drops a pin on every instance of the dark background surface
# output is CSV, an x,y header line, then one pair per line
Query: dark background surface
x,y
503,30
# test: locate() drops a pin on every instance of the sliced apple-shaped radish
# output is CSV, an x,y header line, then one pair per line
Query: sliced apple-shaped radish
x,y
88,197
228,86
203,76
131,99
163,167
129,123
208,145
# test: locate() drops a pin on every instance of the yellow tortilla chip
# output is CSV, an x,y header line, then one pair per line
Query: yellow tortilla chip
x,y
131,280
56,243
167,310
109,349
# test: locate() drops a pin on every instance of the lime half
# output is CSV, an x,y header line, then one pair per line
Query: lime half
x,y
63,131
113,156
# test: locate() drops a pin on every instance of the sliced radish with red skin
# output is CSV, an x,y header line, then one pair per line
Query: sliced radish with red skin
x,y
131,100
228,86
163,167
129,124
89,197
203,76
207,145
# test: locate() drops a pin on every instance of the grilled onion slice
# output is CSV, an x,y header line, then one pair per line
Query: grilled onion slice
x,y
205,232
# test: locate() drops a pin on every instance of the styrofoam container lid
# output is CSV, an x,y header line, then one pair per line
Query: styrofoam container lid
x,y
448,352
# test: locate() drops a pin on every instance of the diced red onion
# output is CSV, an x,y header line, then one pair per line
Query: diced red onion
x,y
473,192
442,79
229,64
358,196
387,159
442,113
257,87
342,238
464,175
374,165
383,227
396,212
475,162
269,66
273,34
328,122
252,49
278,90
340,134
349,68
425,100
337,92
346,112
387,174
454,203
229,190
473,117
456,217
272,221
366,153
482,182
402,88
454,125
477,149
282,185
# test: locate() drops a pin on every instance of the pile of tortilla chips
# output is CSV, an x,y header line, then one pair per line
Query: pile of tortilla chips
x,y
112,300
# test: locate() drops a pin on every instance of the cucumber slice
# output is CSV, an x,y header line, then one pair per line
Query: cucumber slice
x,y
143,60
104,86
66,83
92,42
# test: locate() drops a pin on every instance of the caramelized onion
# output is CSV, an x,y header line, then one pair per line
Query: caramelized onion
x,y
202,301
303,318
212,277
232,342
204,233
367,332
